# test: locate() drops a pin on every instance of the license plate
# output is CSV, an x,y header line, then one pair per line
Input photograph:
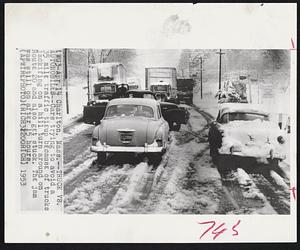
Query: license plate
x,y
126,138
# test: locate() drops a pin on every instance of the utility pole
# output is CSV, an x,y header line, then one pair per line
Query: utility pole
x,y
88,75
66,78
220,68
201,76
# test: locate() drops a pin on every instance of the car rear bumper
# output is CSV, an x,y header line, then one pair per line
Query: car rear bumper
x,y
241,155
129,149
248,160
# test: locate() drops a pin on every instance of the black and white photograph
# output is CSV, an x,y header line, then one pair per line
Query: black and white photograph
x,y
188,131
150,123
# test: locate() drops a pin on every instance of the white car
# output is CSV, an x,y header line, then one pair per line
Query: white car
x,y
245,131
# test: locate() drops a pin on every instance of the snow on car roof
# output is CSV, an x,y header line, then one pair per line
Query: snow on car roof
x,y
160,83
242,107
140,91
137,101
105,65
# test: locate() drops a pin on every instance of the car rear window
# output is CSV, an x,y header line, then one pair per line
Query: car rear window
x,y
129,110
239,116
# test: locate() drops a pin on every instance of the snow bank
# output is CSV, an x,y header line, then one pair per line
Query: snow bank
x,y
79,158
95,191
75,130
77,97
78,170
131,192
279,181
245,181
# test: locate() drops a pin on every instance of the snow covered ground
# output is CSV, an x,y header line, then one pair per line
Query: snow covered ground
x,y
77,98
185,181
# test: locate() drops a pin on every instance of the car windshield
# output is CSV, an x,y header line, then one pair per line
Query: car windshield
x,y
106,88
243,117
143,95
159,87
129,110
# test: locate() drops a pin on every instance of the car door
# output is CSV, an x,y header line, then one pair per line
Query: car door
x,y
215,136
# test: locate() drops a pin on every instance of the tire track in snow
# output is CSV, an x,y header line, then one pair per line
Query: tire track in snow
x,y
245,192
96,190
278,198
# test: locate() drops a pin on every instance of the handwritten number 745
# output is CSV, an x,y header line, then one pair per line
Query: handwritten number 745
x,y
218,230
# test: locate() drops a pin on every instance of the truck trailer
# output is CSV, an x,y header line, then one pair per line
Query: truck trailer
x,y
185,90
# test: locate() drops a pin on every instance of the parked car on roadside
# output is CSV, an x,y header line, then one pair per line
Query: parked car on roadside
x,y
244,132
171,112
131,125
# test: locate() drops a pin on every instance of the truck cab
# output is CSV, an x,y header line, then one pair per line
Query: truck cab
x,y
162,90
106,81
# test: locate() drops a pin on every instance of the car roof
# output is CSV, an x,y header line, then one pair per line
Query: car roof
x,y
104,65
160,83
242,107
140,91
138,101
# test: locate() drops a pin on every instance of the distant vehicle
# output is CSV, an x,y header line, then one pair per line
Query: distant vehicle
x,y
244,132
133,83
106,81
185,90
162,81
171,112
131,125
140,94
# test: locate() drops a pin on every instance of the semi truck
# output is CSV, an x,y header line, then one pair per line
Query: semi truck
x,y
133,83
162,81
106,81
185,90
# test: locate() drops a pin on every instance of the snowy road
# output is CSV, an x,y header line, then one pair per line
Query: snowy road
x,y
185,182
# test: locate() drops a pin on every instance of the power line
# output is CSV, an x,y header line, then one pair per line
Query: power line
x,y
220,53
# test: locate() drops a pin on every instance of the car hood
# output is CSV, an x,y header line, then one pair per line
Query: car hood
x,y
141,130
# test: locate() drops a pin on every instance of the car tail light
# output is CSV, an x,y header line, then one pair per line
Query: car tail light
x,y
280,139
235,149
159,142
94,141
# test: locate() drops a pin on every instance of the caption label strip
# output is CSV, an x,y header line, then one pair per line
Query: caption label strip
x,y
41,143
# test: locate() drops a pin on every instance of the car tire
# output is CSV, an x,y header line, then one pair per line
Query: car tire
x,y
101,158
156,158
273,163
226,163
214,154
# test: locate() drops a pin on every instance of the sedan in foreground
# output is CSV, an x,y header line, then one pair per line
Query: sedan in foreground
x,y
131,125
